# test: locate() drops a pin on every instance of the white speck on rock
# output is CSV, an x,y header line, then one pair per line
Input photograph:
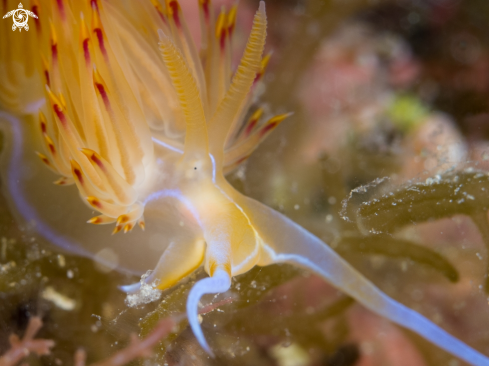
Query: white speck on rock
x,y
58,299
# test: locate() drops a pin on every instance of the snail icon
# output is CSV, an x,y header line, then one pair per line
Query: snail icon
x,y
20,17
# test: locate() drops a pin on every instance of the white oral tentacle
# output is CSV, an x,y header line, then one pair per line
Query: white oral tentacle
x,y
220,282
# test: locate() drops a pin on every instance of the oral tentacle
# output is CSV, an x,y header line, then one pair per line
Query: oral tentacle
x,y
220,282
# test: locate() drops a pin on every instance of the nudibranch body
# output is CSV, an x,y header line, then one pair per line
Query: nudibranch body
x,y
146,136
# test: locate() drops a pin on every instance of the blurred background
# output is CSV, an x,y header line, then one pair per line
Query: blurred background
x,y
385,158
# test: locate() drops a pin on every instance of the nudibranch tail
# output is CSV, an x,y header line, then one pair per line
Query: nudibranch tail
x,y
285,241
219,282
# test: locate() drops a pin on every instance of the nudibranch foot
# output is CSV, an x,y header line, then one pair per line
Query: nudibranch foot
x,y
178,261
219,282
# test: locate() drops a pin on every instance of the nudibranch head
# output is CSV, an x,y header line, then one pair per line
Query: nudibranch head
x,y
113,97
145,127
133,114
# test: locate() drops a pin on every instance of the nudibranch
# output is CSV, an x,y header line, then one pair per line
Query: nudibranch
x,y
143,129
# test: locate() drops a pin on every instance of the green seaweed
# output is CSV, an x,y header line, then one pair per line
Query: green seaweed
x,y
407,112
391,247
443,196
249,287
256,283
300,326
172,304
458,193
